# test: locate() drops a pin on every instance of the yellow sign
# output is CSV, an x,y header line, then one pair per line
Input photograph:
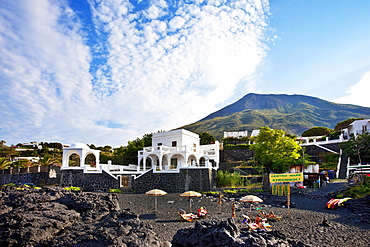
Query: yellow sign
x,y
286,177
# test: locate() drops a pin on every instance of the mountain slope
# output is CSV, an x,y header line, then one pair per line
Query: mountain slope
x,y
291,113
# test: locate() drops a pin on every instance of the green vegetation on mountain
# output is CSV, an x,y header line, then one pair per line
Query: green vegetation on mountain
x,y
292,113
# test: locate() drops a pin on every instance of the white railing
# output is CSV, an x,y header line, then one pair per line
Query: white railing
x,y
108,168
165,149
313,141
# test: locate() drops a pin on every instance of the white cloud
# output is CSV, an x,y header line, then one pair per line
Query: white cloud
x,y
163,69
358,94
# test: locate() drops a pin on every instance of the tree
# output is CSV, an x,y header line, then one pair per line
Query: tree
x,y
128,154
317,131
275,150
48,160
345,123
5,151
357,148
5,163
206,138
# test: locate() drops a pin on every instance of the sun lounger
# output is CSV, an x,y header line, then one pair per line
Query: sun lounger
x,y
270,216
187,217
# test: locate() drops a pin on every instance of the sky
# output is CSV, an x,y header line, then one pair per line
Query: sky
x,y
104,72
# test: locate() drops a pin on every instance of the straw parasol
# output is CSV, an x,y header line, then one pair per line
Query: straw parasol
x,y
251,199
191,194
155,193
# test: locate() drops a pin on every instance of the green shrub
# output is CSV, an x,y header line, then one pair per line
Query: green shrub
x,y
359,191
356,192
230,191
115,191
244,191
236,146
72,188
228,179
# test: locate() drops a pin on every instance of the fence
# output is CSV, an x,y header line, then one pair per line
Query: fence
x,y
34,169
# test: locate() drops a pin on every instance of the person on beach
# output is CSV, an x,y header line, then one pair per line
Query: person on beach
x,y
257,220
202,212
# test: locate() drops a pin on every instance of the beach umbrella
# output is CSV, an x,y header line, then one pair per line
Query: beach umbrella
x,y
251,199
191,194
155,193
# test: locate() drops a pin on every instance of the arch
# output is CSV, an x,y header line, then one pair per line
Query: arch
x,y
74,160
90,159
202,161
154,162
192,160
148,164
176,160
165,163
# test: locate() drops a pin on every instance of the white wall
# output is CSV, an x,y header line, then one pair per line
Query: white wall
x,y
182,137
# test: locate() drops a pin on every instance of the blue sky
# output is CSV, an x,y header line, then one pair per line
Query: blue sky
x,y
108,71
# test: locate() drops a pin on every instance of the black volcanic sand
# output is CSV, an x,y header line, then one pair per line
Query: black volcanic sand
x,y
303,223
55,217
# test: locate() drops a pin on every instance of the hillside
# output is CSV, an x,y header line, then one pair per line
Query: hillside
x,y
291,113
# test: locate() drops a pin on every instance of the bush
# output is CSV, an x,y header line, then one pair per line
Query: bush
x,y
230,191
228,179
236,146
210,192
317,131
72,188
115,191
359,191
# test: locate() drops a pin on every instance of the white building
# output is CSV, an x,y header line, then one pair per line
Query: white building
x,y
356,128
175,149
236,134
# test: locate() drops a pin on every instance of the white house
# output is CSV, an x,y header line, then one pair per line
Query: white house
x,y
175,149
356,128
236,134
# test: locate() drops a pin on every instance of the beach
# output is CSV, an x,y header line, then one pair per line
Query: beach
x,y
302,223
52,216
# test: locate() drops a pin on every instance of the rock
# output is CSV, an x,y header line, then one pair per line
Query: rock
x,y
55,217
360,209
226,233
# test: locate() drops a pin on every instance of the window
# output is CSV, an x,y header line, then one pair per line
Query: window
x,y
364,128
159,144
174,144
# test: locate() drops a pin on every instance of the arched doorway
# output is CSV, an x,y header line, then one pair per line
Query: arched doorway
x,y
192,161
176,160
148,164
90,160
202,161
74,160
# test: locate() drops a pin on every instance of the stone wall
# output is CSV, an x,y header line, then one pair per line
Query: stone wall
x,y
49,175
229,157
187,179
88,181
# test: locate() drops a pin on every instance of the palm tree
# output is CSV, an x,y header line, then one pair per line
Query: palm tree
x,y
48,160
5,163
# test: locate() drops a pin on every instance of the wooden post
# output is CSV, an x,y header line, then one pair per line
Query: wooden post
x,y
233,215
220,202
288,199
